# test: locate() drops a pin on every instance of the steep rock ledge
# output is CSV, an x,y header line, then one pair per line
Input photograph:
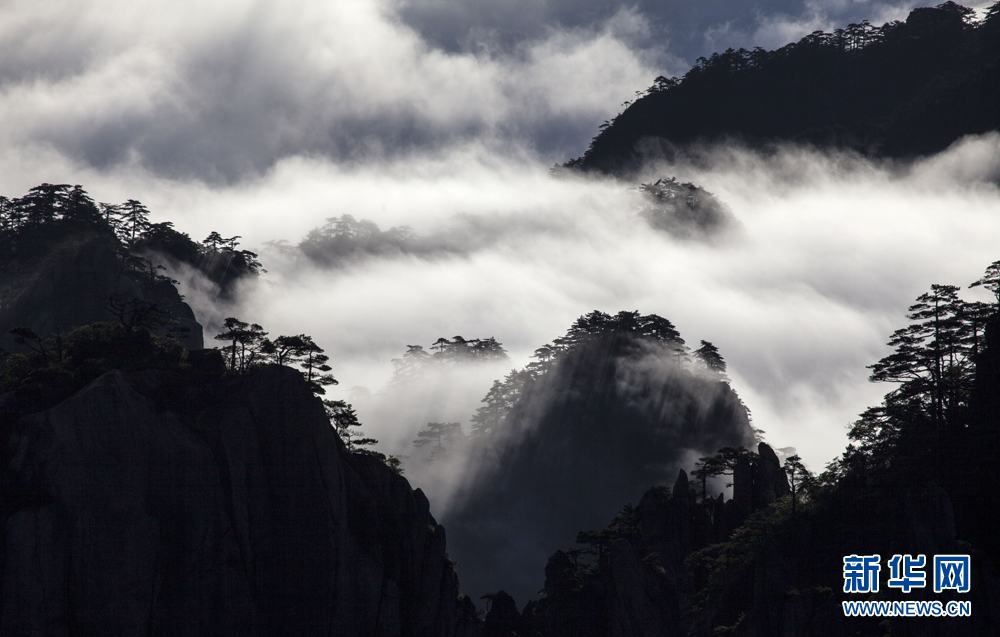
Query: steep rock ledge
x,y
161,504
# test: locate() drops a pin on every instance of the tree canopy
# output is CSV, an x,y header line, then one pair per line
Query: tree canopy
x,y
443,438
445,352
932,368
345,420
630,331
249,347
49,214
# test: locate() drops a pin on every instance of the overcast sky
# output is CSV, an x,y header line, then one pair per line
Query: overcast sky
x,y
219,91
262,119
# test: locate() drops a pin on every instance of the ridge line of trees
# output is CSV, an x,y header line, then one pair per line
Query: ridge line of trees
x,y
504,394
932,367
30,226
249,347
863,86
491,418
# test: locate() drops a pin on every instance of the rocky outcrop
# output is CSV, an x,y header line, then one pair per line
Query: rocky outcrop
x,y
71,286
643,585
757,484
780,575
164,504
502,620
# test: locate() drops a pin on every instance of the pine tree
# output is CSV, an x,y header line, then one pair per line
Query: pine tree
x,y
991,278
445,436
314,362
706,468
80,207
44,203
409,366
246,344
933,367
709,358
345,420
134,220
798,476
284,350
213,241
929,356
498,402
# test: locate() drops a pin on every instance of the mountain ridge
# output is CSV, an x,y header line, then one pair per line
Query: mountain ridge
x,y
900,90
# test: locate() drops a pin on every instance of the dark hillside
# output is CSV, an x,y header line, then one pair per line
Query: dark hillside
x,y
614,413
899,90
151,489
189,502
66,262
76,283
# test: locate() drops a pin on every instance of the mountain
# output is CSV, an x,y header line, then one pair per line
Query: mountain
x,y
76,282
616,408
899,90
153,488
149,488
185,502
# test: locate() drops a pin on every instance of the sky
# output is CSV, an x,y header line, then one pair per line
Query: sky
x,y
263,119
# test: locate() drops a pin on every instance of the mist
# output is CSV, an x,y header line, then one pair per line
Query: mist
x,y
799,294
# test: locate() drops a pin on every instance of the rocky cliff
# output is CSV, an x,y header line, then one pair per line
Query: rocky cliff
x,y
189,503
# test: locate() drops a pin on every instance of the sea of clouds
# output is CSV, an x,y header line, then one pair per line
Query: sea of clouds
x,y
265,119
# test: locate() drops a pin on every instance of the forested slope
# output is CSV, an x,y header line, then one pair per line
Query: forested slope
x,y
603,413
902,89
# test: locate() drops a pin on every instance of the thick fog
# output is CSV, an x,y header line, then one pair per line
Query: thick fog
x,y
265,119
799,295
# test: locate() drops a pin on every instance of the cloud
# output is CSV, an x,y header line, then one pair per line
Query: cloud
x,y
224,91
831,251
689,29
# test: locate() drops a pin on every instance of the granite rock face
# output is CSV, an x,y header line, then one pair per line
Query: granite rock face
x,y
502,620
755,485
157,504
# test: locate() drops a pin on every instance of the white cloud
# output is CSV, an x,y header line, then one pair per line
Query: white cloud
x,y
227,89
831,251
